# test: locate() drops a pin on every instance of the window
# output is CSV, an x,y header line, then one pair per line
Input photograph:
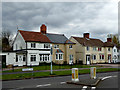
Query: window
x,y
44,57
56,46
87,48
24,58
94,57
99,49
59,56
71,57
108,49
16,58
114,50
70,46
46,45
94,48
101,57
33,57
33,45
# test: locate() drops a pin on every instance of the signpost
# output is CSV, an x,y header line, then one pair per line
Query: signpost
x,y
75,75
93,72
51,52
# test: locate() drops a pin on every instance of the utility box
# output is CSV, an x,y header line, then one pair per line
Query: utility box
x,y
75,75
93,72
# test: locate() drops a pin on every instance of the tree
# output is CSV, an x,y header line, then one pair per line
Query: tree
x,y
115,40
6,40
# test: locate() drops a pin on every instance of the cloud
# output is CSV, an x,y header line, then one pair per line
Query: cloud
x,y
97,18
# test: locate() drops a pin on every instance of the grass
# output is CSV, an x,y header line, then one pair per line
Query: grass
x,y
44,74
47,67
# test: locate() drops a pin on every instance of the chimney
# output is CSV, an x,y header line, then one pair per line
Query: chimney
x,y
109,39
86,35
43,29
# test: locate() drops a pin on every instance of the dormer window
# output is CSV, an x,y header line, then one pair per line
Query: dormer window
x,y
33,45
70,46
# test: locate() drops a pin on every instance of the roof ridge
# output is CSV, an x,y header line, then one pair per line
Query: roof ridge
x,y
55,34
28,31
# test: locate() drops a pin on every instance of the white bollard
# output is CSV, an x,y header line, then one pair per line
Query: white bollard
x,y
75,75
93,72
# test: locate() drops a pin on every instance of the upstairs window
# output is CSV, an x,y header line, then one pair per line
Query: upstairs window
x,y
56,46
87,48
108,49
94,48
114,50
70,46
33,45
46,45
99,49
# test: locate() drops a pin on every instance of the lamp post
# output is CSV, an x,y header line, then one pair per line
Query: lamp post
x,y
51,51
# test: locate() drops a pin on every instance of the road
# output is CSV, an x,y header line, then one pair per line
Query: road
x,y
60,82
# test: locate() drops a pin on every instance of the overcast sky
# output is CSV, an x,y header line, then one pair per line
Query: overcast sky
x,y
71,19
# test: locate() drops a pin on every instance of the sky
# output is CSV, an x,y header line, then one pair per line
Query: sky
x,y
69,18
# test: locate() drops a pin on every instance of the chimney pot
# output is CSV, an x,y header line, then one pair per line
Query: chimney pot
x,y
43,29
86,35
109,39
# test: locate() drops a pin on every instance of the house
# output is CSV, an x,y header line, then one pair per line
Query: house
x,y
91,51
33,48
111,51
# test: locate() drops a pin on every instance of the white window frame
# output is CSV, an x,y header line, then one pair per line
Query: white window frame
x,y
56,46
100,56
33,45
93,57
43,57
47,46
59,54
34,58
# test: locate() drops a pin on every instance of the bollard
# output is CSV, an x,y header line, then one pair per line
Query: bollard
x,y
93,72
75,75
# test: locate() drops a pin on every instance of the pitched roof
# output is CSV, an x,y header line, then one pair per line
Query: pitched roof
x,y
58,38
89,42
45,38
59,51
34,36
109,44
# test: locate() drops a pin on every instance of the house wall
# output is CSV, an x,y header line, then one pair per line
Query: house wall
x,y
19,42
115,55
70,51
97,53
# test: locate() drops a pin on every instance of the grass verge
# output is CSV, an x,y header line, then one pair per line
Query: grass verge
x,y
55,67
55,73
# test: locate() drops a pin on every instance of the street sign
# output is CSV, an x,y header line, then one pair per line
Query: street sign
x,y
93,72
75,75
27,69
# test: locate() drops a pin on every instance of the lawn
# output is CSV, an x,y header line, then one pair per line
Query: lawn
x,y
55,73
47,67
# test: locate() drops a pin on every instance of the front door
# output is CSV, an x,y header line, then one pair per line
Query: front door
x,y
3,61
87,59
109,58
20,58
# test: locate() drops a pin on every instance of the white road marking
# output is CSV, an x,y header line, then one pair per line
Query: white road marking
x,y
84,88
108,77
43,85
62,82
93,88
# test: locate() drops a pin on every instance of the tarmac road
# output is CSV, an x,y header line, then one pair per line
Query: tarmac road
x,y
110,81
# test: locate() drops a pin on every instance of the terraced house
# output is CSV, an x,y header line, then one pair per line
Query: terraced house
x,y
90,50
33,48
